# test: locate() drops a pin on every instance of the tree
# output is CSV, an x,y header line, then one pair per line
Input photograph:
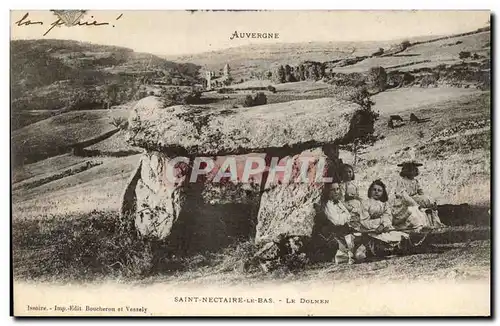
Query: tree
x,y
317,72
281,74
405,44
363,135
259,99
174,96
322,69
271,88
288,74
464,55
302,74
112,94
312,72
248,101
377,79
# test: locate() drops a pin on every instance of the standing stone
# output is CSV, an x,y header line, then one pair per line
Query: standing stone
x,y
153,200
289,209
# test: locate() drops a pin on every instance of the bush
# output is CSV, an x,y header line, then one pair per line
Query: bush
x,y
248,101
428,80
379,52
259,99
271,88
354,79
405,44
177,96
399,79
377,79
119,122
464,55
83,247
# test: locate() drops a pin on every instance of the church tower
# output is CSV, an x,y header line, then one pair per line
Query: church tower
x,y
227,71
208,77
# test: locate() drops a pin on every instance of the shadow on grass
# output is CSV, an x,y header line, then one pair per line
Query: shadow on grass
x,y
464,214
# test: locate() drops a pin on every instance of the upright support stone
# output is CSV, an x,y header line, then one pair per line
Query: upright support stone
x,y
155,195
288,207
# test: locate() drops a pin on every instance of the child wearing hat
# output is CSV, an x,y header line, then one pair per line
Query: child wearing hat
x,y
412,208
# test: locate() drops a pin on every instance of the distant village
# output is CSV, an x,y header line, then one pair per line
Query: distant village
x,y
216,80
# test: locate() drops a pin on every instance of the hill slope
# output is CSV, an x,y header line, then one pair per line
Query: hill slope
x,y
57,135
56,74
267,57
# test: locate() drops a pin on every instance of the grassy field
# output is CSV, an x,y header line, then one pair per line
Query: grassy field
x,y
436,53
115,145
455,171
92,247
98,188
55,135
49,165
405,100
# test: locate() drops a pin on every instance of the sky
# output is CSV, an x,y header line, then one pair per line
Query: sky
x,y
178,32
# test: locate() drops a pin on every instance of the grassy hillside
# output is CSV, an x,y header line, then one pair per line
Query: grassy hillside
x,y
99,187
454,145
46,166
62,74
429,54
267,57
56,135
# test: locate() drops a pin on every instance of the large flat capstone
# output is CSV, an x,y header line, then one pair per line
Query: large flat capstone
x,y
199,130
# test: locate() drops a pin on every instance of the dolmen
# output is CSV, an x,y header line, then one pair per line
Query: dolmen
x,y
212,176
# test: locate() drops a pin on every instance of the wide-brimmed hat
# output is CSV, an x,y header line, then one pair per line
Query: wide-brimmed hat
x,y
407,163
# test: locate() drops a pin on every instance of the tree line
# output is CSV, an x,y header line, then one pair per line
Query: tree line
x,y
308,70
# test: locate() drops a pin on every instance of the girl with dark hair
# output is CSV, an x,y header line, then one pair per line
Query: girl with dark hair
x,y
377,218
349,247
350,190
349,187
378,211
